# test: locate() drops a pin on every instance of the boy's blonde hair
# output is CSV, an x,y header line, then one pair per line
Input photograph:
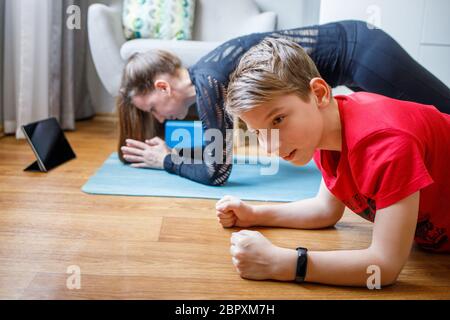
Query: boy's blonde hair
x,y
270,69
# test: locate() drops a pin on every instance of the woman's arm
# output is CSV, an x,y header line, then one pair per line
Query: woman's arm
x,y
155,154
210,107
208,173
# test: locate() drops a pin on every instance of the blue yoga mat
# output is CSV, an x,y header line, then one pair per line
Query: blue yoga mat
x,y
290,183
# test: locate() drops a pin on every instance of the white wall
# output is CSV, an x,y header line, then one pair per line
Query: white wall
x,y
422,27
434,51
292,13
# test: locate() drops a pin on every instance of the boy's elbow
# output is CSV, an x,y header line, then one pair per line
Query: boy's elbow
x,y
332,217
389,276
331,212
389,269
327,223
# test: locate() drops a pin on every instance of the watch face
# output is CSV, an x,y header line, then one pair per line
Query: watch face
x,y
48,143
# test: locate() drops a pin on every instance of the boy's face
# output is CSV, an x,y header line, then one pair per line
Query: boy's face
x,y
300,127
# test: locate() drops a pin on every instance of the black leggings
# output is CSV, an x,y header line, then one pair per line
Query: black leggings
x,y
375,62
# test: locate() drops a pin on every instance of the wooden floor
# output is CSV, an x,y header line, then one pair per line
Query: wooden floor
x,y
151,248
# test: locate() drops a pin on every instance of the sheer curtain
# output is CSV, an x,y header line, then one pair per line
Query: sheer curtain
x,y
44,72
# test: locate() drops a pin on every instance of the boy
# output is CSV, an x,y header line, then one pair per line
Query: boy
x,y
385,159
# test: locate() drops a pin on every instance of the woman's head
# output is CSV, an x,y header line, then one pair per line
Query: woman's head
x,y
149,95
150,82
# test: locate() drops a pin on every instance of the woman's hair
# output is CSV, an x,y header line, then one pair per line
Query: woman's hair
x,y
138,79
270,69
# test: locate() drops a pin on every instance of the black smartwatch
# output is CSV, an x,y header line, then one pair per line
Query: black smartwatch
x,y
302,262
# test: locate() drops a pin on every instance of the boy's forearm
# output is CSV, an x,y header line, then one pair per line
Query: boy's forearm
x,y
392,239
342,268
304,214
348,268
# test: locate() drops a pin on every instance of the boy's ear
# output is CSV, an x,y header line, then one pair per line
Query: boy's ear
x,y
321,91
162,85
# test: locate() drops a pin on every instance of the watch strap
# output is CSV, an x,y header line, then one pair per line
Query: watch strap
x,y
302,262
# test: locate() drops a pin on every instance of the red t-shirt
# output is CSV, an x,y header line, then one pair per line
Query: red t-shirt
x,y
390,150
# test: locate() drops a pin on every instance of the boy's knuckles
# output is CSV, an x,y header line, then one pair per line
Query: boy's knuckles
x,y
226,224
228,215
243,242
239,255
219,213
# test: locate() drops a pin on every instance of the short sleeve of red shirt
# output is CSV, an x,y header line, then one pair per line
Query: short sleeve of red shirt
x,y
388,166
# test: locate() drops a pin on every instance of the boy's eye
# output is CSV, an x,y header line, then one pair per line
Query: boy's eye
x,y
278,120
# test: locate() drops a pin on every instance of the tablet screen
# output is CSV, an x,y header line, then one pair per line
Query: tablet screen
x,y
49,143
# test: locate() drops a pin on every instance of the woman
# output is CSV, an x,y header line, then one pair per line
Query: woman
x,y
156,87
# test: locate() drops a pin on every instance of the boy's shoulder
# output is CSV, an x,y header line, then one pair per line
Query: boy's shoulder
x,y
372,117
378,105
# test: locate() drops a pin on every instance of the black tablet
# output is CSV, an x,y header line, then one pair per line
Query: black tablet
x,y
49,144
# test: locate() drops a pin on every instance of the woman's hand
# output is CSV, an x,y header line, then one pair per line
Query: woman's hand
x,y
150,154
256,258
233,212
